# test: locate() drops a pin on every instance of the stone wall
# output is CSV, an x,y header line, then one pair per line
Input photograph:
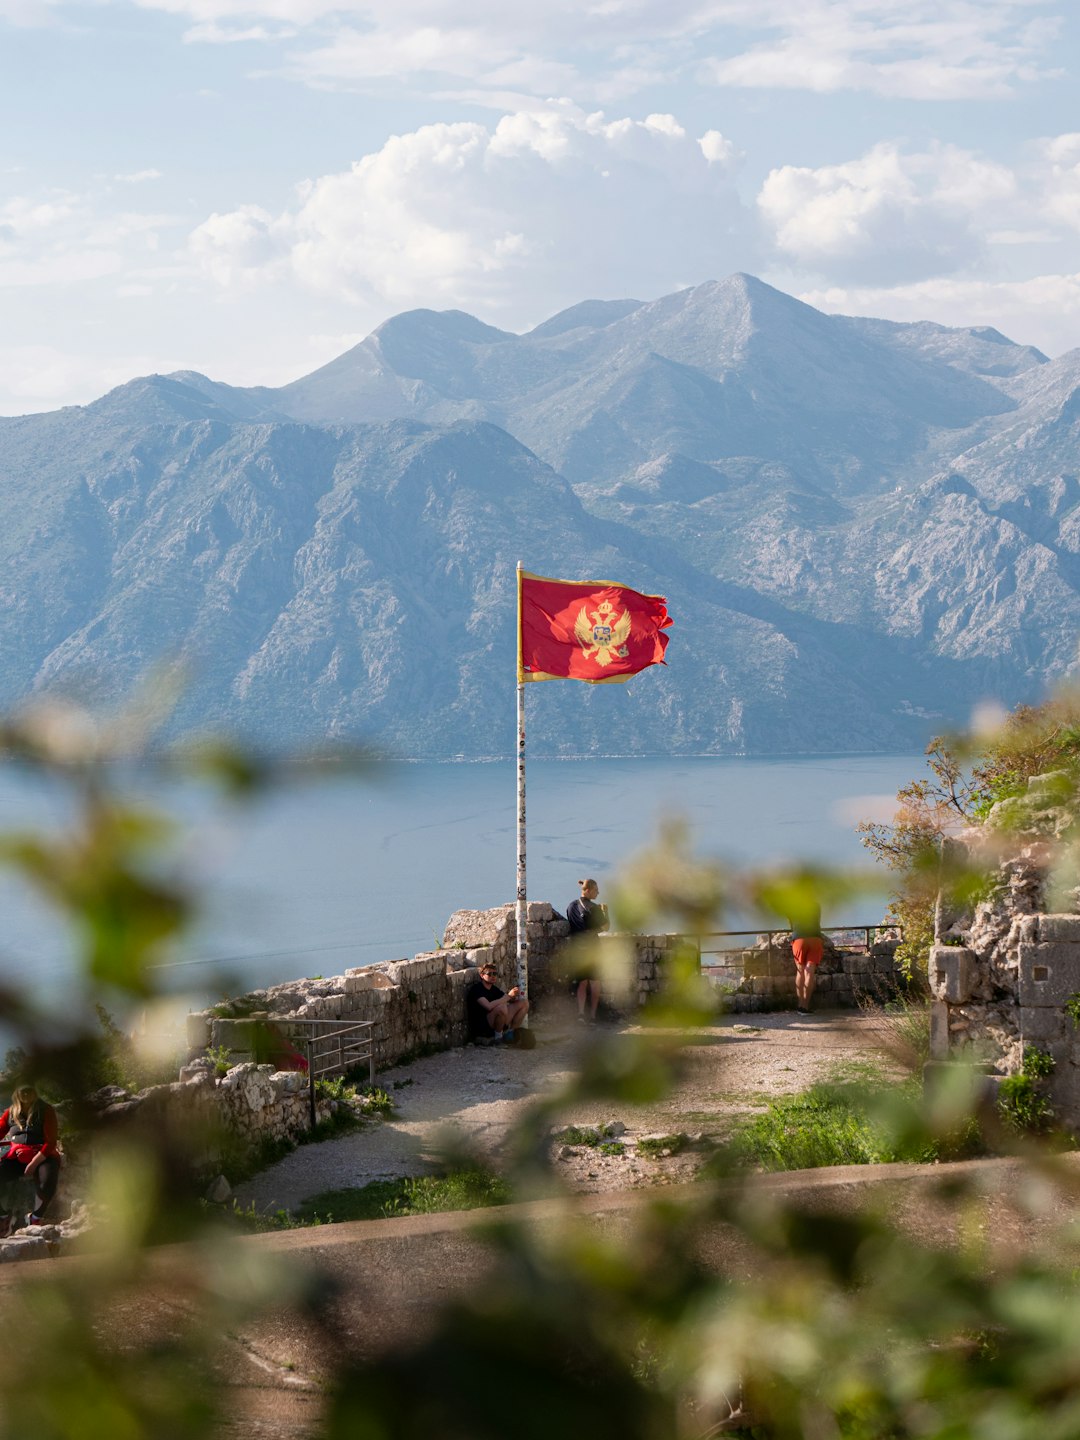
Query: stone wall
x,y
1003,975
762,977
417,1006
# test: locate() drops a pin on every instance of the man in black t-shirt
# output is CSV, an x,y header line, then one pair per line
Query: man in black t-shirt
x,y
493,1014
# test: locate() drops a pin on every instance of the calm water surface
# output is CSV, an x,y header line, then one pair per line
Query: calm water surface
x,y
346,872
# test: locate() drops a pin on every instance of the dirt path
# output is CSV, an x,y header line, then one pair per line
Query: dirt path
x,y
474,1096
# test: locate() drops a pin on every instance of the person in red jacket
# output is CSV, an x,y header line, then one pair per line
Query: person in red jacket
x,y
28,1146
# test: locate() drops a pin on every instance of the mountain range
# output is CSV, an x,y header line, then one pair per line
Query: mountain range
x,y
862,529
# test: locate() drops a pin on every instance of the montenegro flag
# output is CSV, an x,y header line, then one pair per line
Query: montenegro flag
x,y
587,630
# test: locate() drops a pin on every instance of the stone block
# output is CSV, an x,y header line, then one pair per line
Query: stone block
x,y
1064,1088
1049,973
855,964
1027,929
358,982
756,963
198,1030
1059,929
952,972
939,1030
559,929
1042,1025
539,910
477,927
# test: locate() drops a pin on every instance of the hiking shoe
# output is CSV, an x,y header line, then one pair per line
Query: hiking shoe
x,y
508,1037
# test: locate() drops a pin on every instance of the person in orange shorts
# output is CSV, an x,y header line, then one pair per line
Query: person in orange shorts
x,y
808,948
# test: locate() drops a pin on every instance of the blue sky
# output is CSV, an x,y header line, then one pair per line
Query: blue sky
x,y
247,187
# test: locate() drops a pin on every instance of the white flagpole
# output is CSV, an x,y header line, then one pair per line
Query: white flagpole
x,y
521,908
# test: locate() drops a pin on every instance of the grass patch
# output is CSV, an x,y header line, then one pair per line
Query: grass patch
x,y
656,1147
845,1124
424,1195
594,1135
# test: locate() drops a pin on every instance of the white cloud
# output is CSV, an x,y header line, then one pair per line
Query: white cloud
x,y
138,177
1060,175
64,239
920,50
547,205
1042,310
886,215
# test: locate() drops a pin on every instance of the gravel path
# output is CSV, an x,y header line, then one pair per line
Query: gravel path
x,y
474,1096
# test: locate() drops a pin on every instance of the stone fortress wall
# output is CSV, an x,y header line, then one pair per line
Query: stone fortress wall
x,y
418,1005
1006,977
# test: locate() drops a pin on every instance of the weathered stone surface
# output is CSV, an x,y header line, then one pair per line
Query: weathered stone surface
x,y
939,1030
1059,929
1040,1024
1048,973
952,970
477,927
198,1031
218,1191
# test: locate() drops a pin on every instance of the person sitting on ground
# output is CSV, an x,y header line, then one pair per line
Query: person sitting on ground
x,y
585,917
808,949
493,1014
29,1146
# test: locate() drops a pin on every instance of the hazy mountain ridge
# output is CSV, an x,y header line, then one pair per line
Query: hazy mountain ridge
x,y
857,524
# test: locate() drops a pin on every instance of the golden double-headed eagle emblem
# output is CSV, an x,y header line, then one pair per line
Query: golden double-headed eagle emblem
x,y
600,636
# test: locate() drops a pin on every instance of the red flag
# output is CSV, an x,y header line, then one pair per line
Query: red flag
x,y
587,630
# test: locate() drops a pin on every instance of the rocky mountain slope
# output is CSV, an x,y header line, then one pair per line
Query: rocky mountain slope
x,y
862,529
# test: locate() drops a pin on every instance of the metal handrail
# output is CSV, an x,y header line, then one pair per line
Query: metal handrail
x,y
772,934
337,1058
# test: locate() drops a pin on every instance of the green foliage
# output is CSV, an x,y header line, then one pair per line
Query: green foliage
x,y
1022,1099
1072,1007
261,1222
1039,1064
654,1147
830,1324
588,1135
470,1189
367,1100
221,1055
967,778
868,1122
901,1027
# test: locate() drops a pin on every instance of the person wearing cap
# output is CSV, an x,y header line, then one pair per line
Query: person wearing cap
x,y
493,1014
586,916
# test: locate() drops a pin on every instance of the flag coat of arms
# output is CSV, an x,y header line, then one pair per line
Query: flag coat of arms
x,y
587,630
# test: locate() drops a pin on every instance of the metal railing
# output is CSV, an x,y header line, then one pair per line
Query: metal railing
x,y
329,1047
773,939
333,1051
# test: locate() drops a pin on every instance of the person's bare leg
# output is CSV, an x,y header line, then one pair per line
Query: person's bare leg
x,y
594,992
809,983
800,985
582,994
519,1009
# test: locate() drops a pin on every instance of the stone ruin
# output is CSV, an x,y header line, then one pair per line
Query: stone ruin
x,y
1006,974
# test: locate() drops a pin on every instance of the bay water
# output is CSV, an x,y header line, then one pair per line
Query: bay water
x,y
353,869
